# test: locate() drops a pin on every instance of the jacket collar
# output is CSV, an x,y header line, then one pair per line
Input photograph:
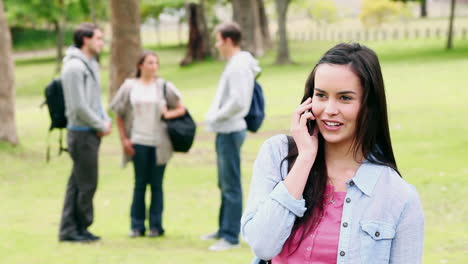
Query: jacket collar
x,y
366,177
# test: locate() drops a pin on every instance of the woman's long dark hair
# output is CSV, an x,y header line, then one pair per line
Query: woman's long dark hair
x,y
142,59
372,135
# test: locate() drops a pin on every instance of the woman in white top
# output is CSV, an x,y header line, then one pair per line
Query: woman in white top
x,y
140,105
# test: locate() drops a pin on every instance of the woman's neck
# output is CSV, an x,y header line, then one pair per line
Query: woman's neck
x,y
342,164
147,79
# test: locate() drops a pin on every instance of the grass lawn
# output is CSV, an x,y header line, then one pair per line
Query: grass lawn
x,y
426,87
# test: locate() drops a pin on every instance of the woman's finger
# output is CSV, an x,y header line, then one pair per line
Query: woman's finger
x,y
304,117
300,110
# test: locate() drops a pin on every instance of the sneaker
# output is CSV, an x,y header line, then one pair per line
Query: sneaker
x,y
155,233
210,236
136,233
222,245
89,235
74,238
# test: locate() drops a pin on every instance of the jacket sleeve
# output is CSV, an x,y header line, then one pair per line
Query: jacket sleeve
x,y
407,245
172,96
240,83
121,102
73,84
271,211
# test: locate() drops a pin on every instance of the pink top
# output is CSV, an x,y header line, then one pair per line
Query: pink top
x,y
321,245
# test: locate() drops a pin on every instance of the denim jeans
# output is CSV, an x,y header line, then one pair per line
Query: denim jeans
x,y
228,150
147,172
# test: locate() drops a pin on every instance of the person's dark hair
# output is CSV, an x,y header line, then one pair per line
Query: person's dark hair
x,y
84,30
372,135
142,59
230,30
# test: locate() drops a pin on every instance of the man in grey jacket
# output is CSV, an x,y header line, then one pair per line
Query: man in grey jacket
x,y
226,117
87,123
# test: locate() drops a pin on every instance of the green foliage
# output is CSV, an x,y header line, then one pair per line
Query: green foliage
x,y
152,9
36,39
37,13
377,12
321,11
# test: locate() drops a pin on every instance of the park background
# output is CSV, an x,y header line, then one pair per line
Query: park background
x,y
426,78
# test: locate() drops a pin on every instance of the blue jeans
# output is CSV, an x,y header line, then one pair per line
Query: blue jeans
x,y
228,150
147,172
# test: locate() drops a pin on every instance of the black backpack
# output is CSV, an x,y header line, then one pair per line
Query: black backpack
x,y
181,129
55,101
56,104
254,118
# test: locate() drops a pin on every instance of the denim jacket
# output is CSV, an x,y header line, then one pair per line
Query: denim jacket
x,y
383,214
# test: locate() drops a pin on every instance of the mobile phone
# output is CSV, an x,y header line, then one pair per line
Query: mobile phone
x,y
310,124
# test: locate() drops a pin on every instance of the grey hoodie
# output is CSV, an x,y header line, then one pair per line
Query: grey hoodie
x,y
82,92
234,94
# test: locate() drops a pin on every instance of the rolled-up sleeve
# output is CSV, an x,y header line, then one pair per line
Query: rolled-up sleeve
x,y
271,210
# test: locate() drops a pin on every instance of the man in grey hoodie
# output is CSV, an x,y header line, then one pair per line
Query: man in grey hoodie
x,y
87,123
226,117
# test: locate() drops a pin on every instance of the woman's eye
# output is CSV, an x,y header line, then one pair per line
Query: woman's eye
x,y
320,95
346,98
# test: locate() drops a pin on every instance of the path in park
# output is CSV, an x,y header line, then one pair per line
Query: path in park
x,y
23,55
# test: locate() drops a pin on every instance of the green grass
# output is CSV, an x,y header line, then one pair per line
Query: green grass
x,y
426,90
25,39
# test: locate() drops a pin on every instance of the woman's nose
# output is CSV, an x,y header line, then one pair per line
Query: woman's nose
x,y
331,108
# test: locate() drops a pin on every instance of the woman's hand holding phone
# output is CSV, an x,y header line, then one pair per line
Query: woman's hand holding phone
x,y
304,131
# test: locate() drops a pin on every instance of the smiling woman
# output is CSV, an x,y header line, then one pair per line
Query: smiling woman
x,y
337,102
340,198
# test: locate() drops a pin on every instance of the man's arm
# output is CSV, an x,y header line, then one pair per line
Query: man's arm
x,y
240,83
73,85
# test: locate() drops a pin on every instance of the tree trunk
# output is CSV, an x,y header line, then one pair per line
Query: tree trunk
x,y
92,11
423,8
204,29
282,57
7,88
246,14
126,43
198,47
264,25
450,30
59,33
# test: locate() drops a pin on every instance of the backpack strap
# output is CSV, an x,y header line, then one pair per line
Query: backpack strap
x,y
87,67
165,90
61,148
292,152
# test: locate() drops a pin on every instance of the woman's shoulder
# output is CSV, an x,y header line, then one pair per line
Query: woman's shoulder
x,y
276,146
397,186
278,141
129,83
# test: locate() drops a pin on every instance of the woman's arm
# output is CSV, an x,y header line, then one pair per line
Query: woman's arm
x,y
274,204
271,210
126,143
178,111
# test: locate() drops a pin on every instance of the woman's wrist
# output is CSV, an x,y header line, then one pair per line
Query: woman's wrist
x,y
306,157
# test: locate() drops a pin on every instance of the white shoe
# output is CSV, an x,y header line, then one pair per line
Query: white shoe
x,y
222,245
210,236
